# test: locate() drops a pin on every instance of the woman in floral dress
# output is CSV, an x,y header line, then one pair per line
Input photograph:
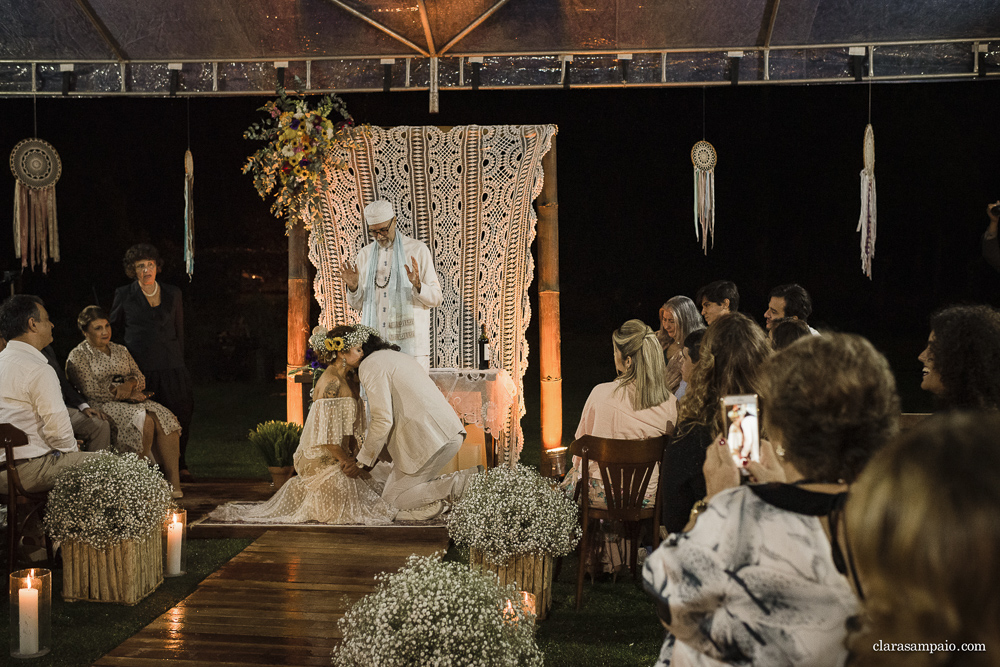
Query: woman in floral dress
x,y
108,376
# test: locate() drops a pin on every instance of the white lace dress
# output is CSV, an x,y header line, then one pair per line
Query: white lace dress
x,y
320,491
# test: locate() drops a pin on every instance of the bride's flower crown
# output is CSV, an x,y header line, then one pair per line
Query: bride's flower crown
x,y
322,344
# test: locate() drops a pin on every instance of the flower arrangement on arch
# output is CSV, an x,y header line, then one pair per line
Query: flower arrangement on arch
x,y
507,512
107,499
300,142
433,612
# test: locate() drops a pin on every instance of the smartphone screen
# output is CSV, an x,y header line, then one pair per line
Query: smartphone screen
x,y
742,433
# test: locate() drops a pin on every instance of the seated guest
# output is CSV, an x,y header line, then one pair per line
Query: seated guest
x,y
30,398
678,318
635,406
108,376
716,299
90,426
789,302
785,331
731,354
922,522
692,343
758,578
962,358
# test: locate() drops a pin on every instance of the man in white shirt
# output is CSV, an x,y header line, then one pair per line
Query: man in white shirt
x,y
410,418
30,396
394,284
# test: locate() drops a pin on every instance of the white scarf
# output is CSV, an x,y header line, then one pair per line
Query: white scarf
x,y
400,329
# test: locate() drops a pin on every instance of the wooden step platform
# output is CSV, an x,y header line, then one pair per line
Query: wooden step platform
x,y
277,602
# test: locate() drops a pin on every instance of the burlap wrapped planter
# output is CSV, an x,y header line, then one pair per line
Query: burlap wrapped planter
x,y
531,573
124,573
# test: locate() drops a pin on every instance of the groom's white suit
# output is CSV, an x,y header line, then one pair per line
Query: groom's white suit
x,y
413,420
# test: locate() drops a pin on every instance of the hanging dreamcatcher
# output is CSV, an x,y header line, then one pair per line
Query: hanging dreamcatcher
x,y
867,221
37,168
189,213
704,158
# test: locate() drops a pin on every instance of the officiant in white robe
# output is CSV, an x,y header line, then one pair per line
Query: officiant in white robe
x,y
410,418
394,285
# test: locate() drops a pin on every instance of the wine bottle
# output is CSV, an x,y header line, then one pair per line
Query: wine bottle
x,y
484,349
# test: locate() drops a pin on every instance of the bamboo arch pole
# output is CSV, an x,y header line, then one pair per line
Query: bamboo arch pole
x,y
549,335
298,319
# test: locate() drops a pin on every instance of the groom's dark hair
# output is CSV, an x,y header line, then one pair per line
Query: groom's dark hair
x,y
374,344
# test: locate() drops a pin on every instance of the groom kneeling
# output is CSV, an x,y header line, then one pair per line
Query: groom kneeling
x,y
412,419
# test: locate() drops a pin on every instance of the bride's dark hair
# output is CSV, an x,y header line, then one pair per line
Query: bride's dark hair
x,y
374,344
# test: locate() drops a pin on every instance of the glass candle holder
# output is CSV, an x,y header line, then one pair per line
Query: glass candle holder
x,y
528,602
175,543
30,612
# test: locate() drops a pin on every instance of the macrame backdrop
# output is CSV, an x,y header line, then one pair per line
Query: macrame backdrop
x,y
467,194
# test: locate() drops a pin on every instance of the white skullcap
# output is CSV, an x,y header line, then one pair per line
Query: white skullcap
x,y
378,212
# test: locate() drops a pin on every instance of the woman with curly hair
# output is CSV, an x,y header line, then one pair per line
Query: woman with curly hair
x,y
150,315
678,318
730,356
321,491
759,577
962,358
923,529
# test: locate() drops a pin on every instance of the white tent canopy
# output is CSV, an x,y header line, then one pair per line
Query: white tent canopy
x,y
233,47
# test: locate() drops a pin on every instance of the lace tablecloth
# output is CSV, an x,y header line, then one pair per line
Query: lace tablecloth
x,y
486,398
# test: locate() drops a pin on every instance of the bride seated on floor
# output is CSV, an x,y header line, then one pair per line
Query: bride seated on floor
x,y
321,491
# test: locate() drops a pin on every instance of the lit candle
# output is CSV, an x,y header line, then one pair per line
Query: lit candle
x,y
528,602
27,614
175,533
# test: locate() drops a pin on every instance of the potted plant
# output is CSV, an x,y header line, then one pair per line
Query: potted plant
x,y
513,522
438,613
277,441
108,512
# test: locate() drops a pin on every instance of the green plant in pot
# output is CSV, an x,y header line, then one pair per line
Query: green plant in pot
x,y
277,441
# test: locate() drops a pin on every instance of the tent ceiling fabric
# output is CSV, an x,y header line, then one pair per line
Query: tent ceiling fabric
x,y
229,46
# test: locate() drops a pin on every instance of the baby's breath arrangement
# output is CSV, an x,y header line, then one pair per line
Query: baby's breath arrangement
x,y
106,499
438,613
276,441
509,512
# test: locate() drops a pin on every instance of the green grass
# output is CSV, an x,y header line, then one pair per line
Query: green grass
x,y
225,412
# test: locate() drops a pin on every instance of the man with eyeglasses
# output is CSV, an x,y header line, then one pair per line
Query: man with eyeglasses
x,y
394,285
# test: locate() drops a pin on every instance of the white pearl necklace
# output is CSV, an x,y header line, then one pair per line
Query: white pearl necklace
x,y
150,295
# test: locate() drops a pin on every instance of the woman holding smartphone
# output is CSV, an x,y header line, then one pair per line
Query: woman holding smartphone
x,y
759,576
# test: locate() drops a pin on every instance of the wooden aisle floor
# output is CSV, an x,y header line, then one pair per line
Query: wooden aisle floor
x,y
277,602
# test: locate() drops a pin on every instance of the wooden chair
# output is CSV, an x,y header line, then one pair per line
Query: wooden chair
x,y
626,468
18,498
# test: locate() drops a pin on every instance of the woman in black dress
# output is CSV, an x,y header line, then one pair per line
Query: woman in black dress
x,y
731,353
151,315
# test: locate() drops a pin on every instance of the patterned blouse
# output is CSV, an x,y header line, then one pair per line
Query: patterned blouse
x,y
753,583
92,372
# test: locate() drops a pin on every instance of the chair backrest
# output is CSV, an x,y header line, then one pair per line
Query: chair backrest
x,y
626,467
11,437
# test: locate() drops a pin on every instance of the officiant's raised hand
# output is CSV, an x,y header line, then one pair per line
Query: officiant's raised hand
x,y
349,272
413,274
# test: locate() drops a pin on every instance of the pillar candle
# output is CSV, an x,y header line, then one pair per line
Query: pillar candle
x,y
175,533
27,614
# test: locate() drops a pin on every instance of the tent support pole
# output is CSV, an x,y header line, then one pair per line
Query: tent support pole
x,y
550,338
298,318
